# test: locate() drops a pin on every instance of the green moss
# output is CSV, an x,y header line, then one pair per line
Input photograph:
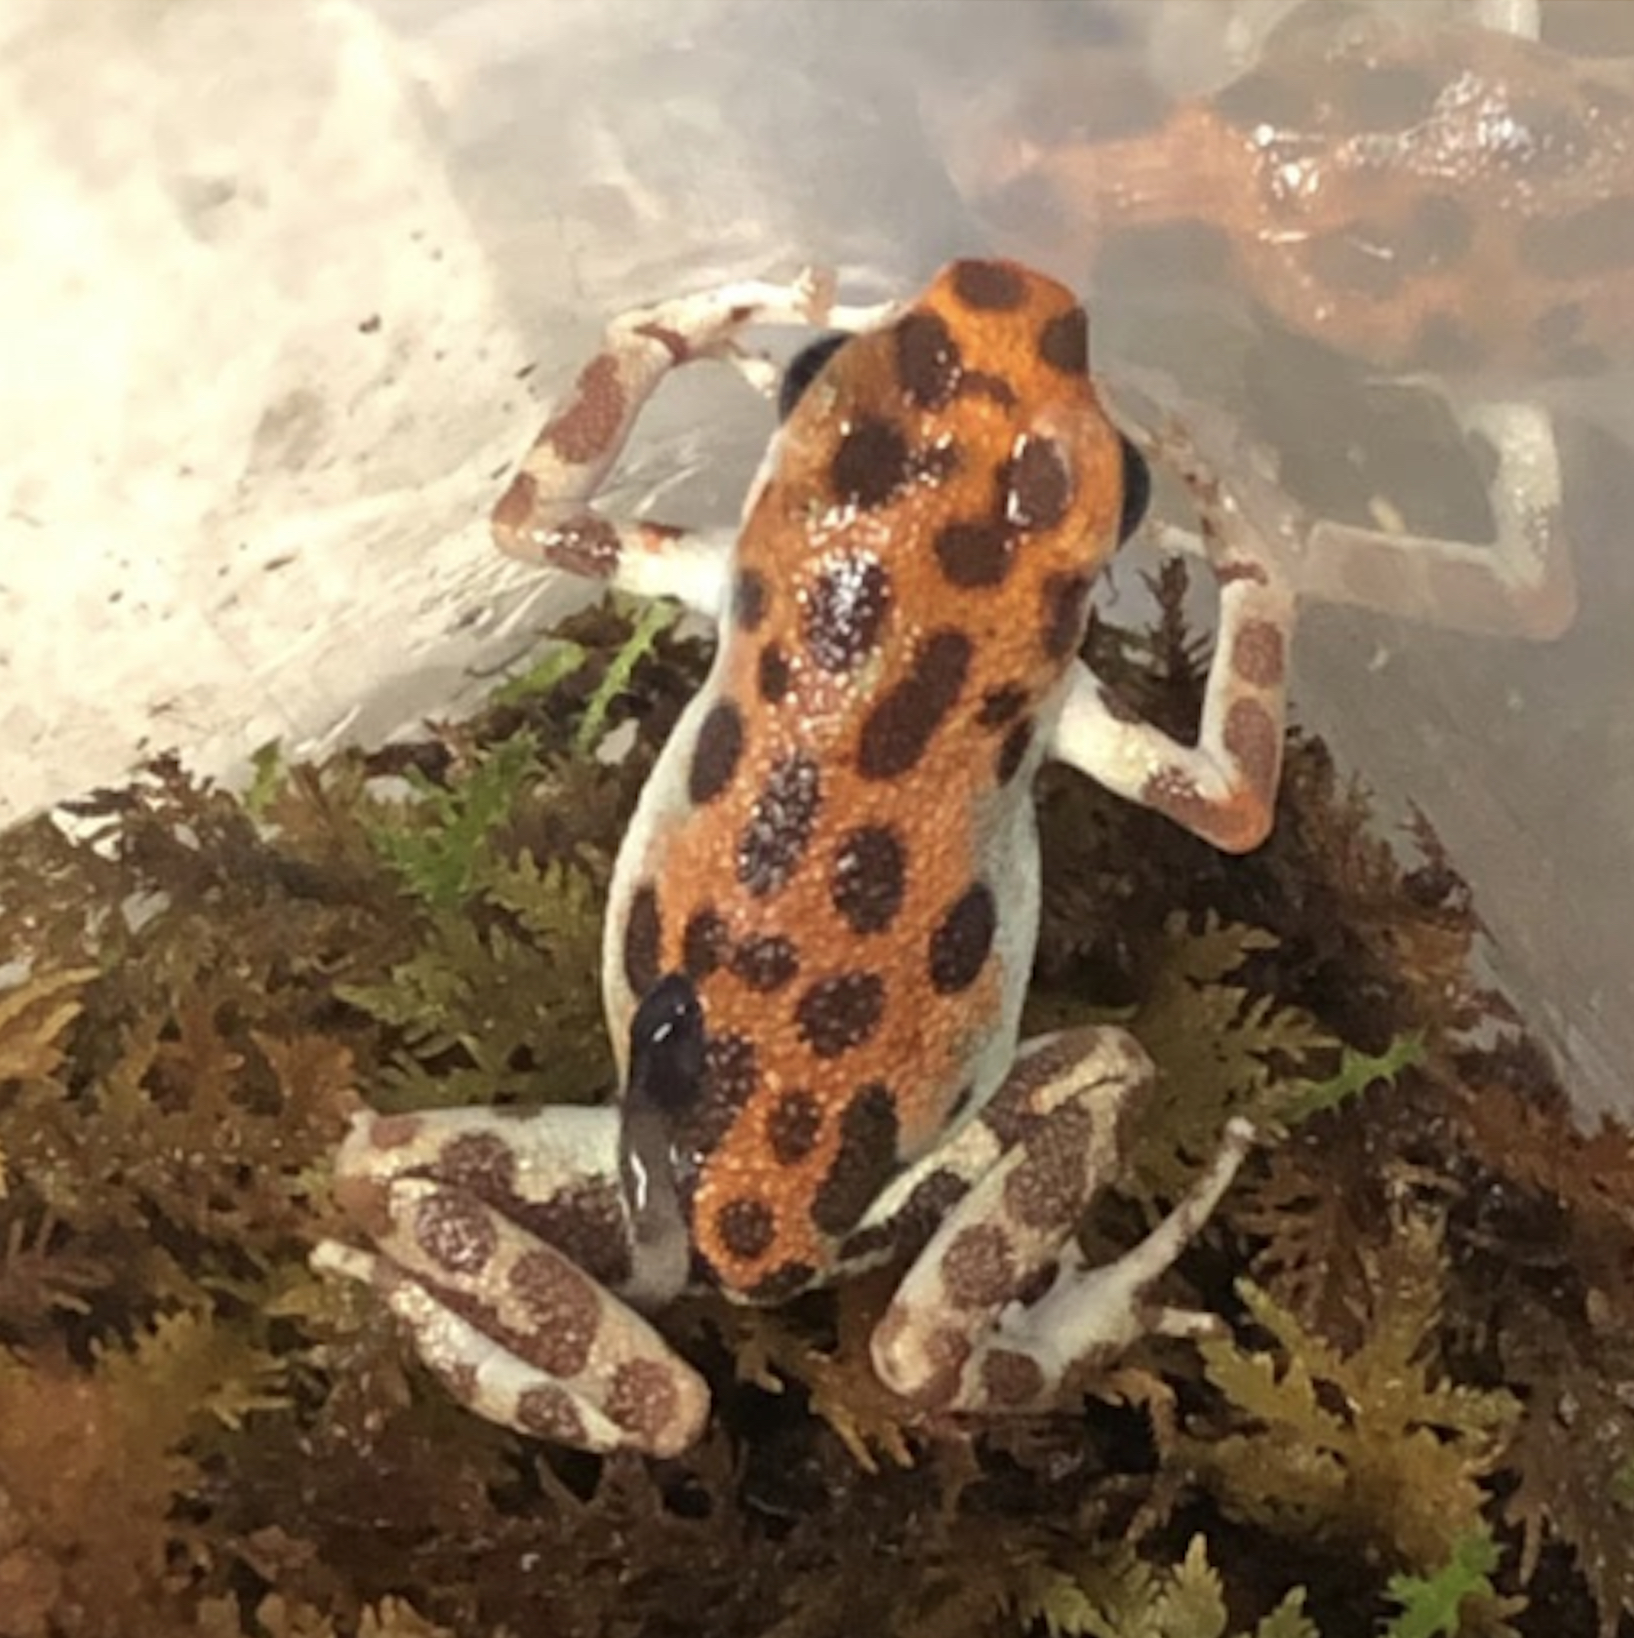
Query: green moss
x,y
1420,1422
1433,1606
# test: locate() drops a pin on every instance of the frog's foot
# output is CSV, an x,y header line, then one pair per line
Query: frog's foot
x,y
970,1328
1091,1315
546,515
455,1206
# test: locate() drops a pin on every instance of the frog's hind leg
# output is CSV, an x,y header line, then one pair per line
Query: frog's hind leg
x,y
500,1243
1521,583
1000,1308
547,516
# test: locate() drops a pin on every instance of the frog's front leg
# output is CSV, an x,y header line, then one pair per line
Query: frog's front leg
x,y
1224,787
546,514
500,1241
969,1329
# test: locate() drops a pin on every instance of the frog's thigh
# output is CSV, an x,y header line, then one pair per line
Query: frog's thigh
x,y
967,1329
511,1323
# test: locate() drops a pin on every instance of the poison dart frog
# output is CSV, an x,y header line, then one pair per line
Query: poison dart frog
x,y
823,914
1444,205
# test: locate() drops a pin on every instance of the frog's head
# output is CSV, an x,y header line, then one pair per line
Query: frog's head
x,y
954,467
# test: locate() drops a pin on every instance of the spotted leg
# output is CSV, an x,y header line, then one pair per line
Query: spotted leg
x,y
1520,583
969,1329
546,514
1224,787
499,1242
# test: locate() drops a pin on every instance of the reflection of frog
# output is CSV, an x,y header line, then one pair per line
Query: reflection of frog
x,y
1436,201
822,918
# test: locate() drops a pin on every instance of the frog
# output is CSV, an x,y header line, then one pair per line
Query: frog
x,y
822,916
1449,206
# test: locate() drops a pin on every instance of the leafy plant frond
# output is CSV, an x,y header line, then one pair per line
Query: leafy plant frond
x,y
561,659
504,1008
1357,1071
1220,1051
653,620
1574,1452
439,845
1432,1606
1376,1446
1118,1594
33,1019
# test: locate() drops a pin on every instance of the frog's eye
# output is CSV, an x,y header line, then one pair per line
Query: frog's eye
x,y
1137,489
803,368
667,1046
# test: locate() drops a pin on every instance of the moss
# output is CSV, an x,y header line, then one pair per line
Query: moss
x,y
1420,1423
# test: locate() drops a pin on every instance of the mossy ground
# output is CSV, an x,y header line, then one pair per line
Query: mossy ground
x,y
1423,1421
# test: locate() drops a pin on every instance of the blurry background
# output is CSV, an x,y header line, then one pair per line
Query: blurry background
x,y
286,288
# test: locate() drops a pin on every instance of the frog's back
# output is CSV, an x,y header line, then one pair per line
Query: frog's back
x,y
838,845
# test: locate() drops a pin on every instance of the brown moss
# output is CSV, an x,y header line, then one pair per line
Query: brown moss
x,y
1427,1379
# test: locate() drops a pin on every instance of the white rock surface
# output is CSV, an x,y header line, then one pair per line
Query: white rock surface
x,y
253,355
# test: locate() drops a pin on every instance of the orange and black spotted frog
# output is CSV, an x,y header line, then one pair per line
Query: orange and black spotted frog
x,y
823,914
1442,204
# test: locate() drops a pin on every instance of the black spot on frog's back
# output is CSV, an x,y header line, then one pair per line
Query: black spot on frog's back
x,y
871,464
766,962
846,612
963,939
1038,484
868,877
838,1014
1065,599
746,1228
988,286
778,831
1063,343
899,729
928,362
643,933
716,754
974,553
863,1163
